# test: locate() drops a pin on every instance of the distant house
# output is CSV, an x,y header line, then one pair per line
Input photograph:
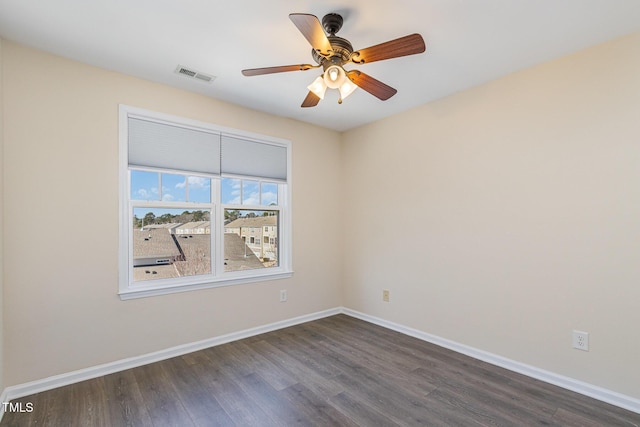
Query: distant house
x,y
193,227
259,233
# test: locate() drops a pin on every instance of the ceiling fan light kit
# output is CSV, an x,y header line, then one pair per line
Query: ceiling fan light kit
x,y
332,52
318,86
346,89
334,76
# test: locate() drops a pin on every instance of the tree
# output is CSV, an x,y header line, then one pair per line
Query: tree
x,y
165,218
149,218
230,215
198,216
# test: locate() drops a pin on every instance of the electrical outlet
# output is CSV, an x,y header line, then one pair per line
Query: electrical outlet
x,y
580,340
283,295
385,295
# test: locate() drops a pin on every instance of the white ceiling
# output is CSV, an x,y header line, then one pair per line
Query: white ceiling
x,y
469,42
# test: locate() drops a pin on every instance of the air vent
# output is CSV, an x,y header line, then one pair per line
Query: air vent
x,y
204,77
186,72
189,72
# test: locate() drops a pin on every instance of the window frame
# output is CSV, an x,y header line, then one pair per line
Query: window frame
x,y
128,289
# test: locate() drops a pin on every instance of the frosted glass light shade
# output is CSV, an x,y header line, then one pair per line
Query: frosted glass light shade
x,y
347,88
334,76
318,87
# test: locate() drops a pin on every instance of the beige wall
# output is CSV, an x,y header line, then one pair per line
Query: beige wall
x,y
505,216
61,222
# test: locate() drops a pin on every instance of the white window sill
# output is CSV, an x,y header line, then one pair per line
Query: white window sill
x,y
143,291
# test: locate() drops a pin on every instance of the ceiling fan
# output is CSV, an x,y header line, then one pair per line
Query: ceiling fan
x,y
332,52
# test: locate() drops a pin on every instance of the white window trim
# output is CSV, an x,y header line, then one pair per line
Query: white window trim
x,y
128,290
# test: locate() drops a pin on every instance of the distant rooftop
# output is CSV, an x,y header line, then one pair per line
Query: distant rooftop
x,y
193,225
237,256
153,243
258,221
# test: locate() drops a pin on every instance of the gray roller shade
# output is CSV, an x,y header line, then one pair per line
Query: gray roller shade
x,y
159,145
254,159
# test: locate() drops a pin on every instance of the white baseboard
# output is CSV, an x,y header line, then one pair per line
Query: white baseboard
x,y
583,388
3,398
37,386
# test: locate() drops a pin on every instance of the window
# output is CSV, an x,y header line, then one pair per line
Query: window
x,y
201,205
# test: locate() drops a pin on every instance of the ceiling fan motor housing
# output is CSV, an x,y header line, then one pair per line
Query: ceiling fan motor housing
x,y
332,23
342,50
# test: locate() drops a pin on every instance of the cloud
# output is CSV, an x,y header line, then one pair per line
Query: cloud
x,y
195,182
143,193
150,194
234,201
251,199
167,196
199,182
236,187
269,197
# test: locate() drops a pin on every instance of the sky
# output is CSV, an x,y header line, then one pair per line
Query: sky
x,y
156,186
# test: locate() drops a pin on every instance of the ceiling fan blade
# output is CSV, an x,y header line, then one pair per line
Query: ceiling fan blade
x,y
280,69
373,86
407,45
311,100
311,29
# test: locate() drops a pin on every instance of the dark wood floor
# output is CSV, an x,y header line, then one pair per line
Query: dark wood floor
x,y
337,371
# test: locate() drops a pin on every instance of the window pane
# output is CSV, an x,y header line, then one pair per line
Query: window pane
x,y
144,185
199,189
250,192
231,191
269,194
174,188
250,239
170,243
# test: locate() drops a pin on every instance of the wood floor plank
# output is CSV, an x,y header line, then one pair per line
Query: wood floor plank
x,y
314,408
481,407
354,353
367,348
336,371
236,403
566,418
279,409
199,402
403,408
461,381
360,412
127,406
247,361
159,396
276,374
89,404
307,351
299,368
